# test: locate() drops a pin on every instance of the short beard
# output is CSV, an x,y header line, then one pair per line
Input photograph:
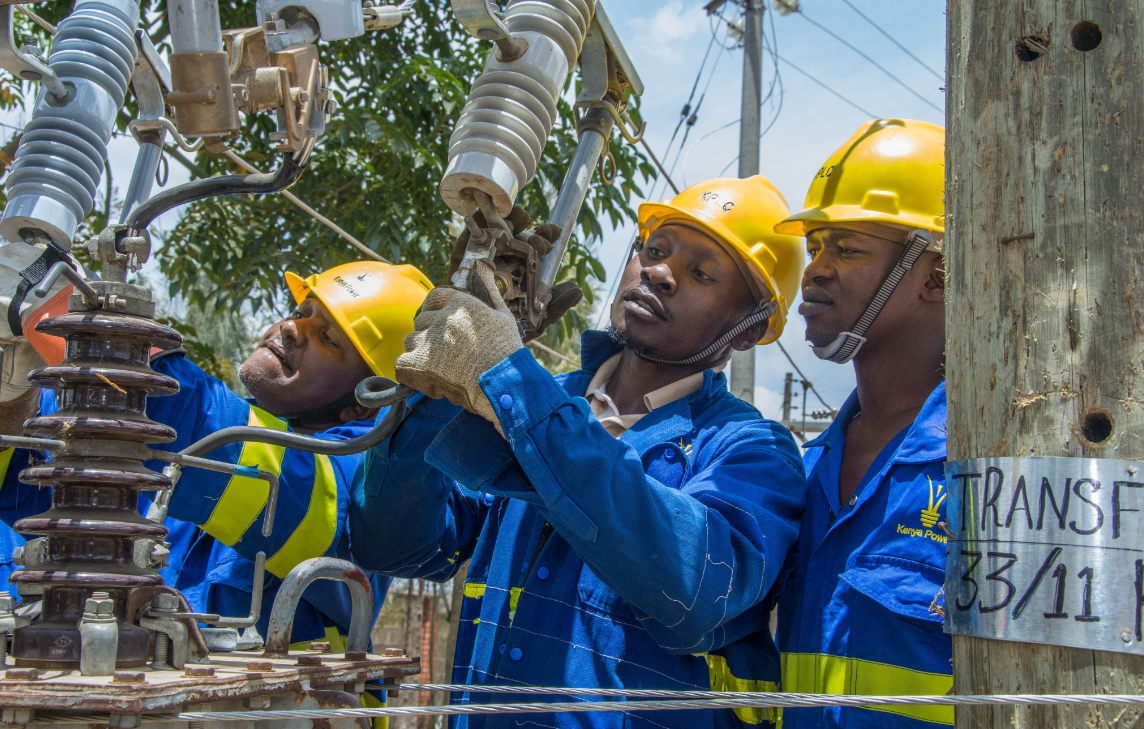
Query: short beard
x,y
250,380
620,337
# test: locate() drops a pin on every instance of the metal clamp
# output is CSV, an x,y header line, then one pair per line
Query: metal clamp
x,y
480,19
25,65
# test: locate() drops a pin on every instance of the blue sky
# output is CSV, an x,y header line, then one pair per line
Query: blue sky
x,y
667,41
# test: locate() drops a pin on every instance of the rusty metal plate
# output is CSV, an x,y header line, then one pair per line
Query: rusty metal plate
x,y
238,675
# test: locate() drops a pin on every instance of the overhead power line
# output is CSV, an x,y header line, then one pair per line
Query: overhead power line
x,y
804,378
872,62
793,65
891,38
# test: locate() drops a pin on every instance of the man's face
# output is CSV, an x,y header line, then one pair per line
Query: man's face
x,y
302,363
679,294
844,273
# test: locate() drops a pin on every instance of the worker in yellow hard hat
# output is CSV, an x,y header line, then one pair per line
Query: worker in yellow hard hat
x,y
348,324
626,522
863,611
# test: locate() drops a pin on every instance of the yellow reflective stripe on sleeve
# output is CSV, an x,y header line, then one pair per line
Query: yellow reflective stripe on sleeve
x,y
244,498
315,533
723,680
476,591
818,673
5,461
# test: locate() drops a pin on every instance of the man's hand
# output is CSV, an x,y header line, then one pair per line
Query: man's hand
x,y
542,238
457,339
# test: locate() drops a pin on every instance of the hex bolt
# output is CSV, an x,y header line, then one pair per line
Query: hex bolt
x,y
163,603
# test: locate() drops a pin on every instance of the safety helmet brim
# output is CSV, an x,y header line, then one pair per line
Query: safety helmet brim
x,y
803,222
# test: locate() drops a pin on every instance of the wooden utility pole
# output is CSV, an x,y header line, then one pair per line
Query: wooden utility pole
x,y
1045,250
743,363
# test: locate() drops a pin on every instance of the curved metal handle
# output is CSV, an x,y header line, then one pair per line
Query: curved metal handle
x,y
310,444
61,268
290,595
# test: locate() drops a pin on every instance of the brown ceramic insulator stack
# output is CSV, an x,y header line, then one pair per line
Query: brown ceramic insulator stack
x,y
94,523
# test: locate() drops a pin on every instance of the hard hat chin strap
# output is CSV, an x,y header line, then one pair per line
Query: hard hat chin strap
x,y
762,312
847,344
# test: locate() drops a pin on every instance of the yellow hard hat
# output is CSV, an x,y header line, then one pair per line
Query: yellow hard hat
x,y
741,214
374,304
891,171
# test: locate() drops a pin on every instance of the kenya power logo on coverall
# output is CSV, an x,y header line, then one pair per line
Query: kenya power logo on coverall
x,y
929,516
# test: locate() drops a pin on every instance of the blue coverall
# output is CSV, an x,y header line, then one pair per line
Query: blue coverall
x,y
641,562
213,565
862,613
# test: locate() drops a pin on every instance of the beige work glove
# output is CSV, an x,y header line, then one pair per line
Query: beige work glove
x,y
20,358
457,339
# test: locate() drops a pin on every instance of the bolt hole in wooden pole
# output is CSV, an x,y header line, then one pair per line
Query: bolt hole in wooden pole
x,y
1030,48
1086,36
1096,425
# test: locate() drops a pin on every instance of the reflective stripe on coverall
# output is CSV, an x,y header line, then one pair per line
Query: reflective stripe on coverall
x,y
641,562
861,613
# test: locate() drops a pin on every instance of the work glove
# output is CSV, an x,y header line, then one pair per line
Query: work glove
x,y
20,358
458,338
542,238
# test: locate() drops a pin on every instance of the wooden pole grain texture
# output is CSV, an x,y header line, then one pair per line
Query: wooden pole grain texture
x,y
1045,250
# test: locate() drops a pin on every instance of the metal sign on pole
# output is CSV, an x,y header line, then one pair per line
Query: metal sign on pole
x,y
1043,329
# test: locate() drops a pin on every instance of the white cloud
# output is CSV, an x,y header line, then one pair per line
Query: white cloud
x,y
662,34
768,402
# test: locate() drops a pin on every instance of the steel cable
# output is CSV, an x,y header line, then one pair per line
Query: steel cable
x,y
726,701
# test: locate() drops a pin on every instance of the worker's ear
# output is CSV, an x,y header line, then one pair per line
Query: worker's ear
x,y
356,412
933,286
749,338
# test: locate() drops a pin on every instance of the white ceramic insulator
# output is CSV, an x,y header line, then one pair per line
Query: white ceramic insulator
x,y
505,123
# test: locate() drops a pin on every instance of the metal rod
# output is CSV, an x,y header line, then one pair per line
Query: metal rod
x,y
595,128
62,268
143,176
207,464
305,443
32,444
195,26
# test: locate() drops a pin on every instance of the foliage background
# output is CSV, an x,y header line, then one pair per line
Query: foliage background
x,y
375,173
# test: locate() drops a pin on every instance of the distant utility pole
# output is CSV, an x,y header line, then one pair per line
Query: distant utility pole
x,y
743,363
788,394
1044,250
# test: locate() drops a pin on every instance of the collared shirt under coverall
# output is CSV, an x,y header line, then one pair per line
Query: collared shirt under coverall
x,y
645,561
861,613
215,577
